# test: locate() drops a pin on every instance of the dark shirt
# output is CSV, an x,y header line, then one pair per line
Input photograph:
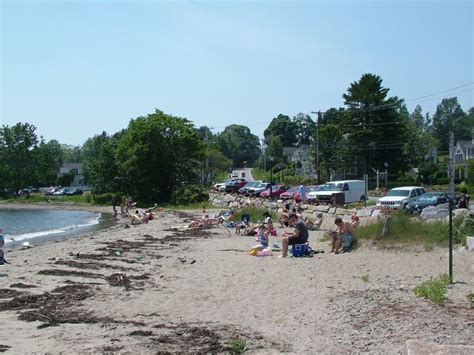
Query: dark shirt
x,y
303,231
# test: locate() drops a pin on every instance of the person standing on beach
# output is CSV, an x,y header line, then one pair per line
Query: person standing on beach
x,y
114,205
463,201
302,192
298,236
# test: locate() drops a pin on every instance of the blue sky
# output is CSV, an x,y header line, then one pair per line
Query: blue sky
x,y
75,69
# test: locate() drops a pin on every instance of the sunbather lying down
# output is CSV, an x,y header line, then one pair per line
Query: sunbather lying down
x,y
205,222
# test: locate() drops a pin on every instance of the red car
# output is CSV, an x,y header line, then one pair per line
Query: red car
x,y
290,193
235,184
293,193
276,191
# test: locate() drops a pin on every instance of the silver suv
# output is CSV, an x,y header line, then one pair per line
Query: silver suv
x,y
399,197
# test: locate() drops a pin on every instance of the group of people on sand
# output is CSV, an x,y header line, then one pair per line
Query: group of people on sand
x,y
139,217
342,238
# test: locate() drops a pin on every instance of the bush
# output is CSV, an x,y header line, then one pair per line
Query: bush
x,y
462,227
442,181
190,194
103,199
256,214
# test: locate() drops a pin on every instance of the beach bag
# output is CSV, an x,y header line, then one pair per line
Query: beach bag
x,y
2,258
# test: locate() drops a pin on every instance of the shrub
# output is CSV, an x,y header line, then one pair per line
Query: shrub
x,y
256,214
434,289
190,194
238,346
103,199
462,228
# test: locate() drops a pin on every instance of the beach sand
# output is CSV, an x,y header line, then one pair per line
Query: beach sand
x,y
155,287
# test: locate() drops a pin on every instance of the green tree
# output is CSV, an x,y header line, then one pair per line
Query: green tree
x,y
447,117
71,153
47,158
100,166
17,145
376,128
284,128
304,128
156,154
419,142
463,127
334,150
237,143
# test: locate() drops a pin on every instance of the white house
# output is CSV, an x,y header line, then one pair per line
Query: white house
x,y
79,180
463,151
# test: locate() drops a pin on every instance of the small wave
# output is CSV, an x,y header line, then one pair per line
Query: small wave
x,y
15,238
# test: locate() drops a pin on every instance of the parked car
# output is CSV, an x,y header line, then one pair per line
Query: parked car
x,y
353,190
399,197
429,199
221,184
60,192
24,192
308,190
235,184
52,190
73,191
257,190
247,187
290,193
277,190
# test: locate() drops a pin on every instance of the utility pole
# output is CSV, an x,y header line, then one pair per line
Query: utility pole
x,y
451,194
451,165
318,171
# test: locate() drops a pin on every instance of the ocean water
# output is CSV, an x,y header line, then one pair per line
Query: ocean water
x,y
32,225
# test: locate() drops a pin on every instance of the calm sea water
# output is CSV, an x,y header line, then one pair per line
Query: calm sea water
x,y
21,225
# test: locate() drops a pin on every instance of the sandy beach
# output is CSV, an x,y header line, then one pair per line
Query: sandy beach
x,y
159,287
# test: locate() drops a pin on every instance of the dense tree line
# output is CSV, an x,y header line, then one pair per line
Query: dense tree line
x,y
158,154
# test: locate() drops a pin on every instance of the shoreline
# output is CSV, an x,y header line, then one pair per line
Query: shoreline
x,y
105,222
161,287
56,206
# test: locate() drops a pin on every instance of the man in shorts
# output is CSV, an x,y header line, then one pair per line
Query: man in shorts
x,y
343,238
298,236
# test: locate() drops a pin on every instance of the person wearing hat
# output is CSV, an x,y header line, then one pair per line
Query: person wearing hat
x,y
298,236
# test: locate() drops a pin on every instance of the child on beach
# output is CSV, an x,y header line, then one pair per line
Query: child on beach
x,y
262,238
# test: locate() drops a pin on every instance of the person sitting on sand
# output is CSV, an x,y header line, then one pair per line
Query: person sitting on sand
x,y
227,217
316,224
262,238
243,224
355,221
138,218
298,236
149,214
343,238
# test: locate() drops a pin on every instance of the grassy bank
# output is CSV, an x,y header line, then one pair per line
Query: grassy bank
x,y
407,229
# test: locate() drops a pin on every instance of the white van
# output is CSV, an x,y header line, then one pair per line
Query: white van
x,y
354,191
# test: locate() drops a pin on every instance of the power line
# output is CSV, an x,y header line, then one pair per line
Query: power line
x,y
442,92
